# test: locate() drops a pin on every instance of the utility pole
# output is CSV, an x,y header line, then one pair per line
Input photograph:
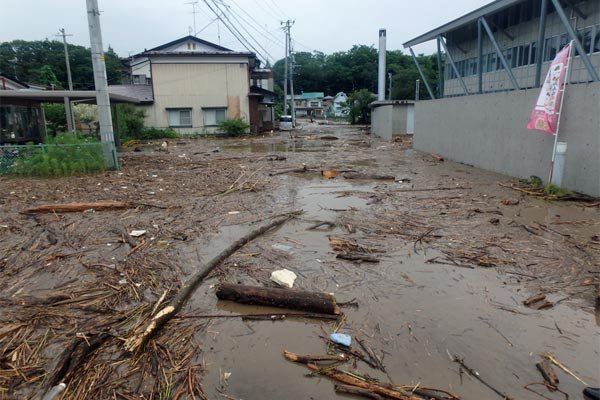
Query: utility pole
x,y
292,62
68,110
390,85
417,87
286,29
101,84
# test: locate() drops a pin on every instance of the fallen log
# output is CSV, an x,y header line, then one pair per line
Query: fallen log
x,y
354,380
534,299
358,257
304,168
323,303
357,392
138,339
358,175
305,359
77,207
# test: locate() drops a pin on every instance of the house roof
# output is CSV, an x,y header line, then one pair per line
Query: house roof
x,y
198,53
14,80
256,90
312,95
58,96
186,38
466,19
143,93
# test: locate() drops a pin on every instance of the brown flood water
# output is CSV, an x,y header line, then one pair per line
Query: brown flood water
x,y
412,312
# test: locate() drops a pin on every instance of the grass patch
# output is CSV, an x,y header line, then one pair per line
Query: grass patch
x,y
234,127
63,155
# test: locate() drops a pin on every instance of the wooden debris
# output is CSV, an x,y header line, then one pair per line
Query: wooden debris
x,y
477,376
542,305
545,368
329,173
303,168
437,157
323,303
534,299
538,302
358,381
305,359
78,207
358,175
374,357
550,357
357,257
357,391
138,339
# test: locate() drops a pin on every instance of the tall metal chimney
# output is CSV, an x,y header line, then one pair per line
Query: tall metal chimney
x,y
381,73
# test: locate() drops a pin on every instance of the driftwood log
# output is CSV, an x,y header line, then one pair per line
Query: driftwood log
x,y
357,391
357,257
358,175
138,339
352,380
78,207
323,303
305,359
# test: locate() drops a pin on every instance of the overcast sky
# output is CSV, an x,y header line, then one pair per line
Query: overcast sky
x,y
130,26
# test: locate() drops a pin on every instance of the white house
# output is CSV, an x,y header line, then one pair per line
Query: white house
x,y
339,105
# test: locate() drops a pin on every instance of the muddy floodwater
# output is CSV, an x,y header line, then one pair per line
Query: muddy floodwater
x,y
458,252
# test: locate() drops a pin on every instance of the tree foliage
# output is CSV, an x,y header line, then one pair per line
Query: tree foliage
x,y
358,102
43,62
356,69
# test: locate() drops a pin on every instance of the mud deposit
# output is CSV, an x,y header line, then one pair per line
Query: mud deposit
x,y
457,252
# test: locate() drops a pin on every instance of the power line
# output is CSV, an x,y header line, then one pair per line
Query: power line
x,y
279,9
244,43
234,15
268,35
231,26
275,16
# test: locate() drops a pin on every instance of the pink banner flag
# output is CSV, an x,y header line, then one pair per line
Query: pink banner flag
x,y
545,114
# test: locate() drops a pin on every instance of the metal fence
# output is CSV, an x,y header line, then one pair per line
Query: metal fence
x,y
47,160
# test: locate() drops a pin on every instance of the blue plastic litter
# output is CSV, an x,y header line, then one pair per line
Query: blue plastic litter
x,y
341,338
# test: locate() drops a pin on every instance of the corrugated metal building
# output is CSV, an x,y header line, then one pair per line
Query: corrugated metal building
x,y
495,60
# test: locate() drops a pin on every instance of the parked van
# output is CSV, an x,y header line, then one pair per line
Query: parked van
x,y
286,123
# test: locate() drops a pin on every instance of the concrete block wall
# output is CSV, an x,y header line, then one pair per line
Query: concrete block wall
x,y
389,119
488,131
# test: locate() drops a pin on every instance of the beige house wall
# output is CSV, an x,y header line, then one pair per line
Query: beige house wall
x,y
198,86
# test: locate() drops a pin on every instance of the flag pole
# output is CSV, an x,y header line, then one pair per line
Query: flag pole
x,y
562,99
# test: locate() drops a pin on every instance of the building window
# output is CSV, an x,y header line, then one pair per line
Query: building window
x,y
314,104
180,117
191,46
214,116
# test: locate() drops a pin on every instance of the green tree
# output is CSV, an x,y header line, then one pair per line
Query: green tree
x,y
359,101
32,56
56,118
356,69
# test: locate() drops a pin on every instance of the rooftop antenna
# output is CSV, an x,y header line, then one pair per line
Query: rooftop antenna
x,y
194,12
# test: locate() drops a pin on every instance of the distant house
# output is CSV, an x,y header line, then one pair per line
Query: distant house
x,y
192,85
308,104
339,105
